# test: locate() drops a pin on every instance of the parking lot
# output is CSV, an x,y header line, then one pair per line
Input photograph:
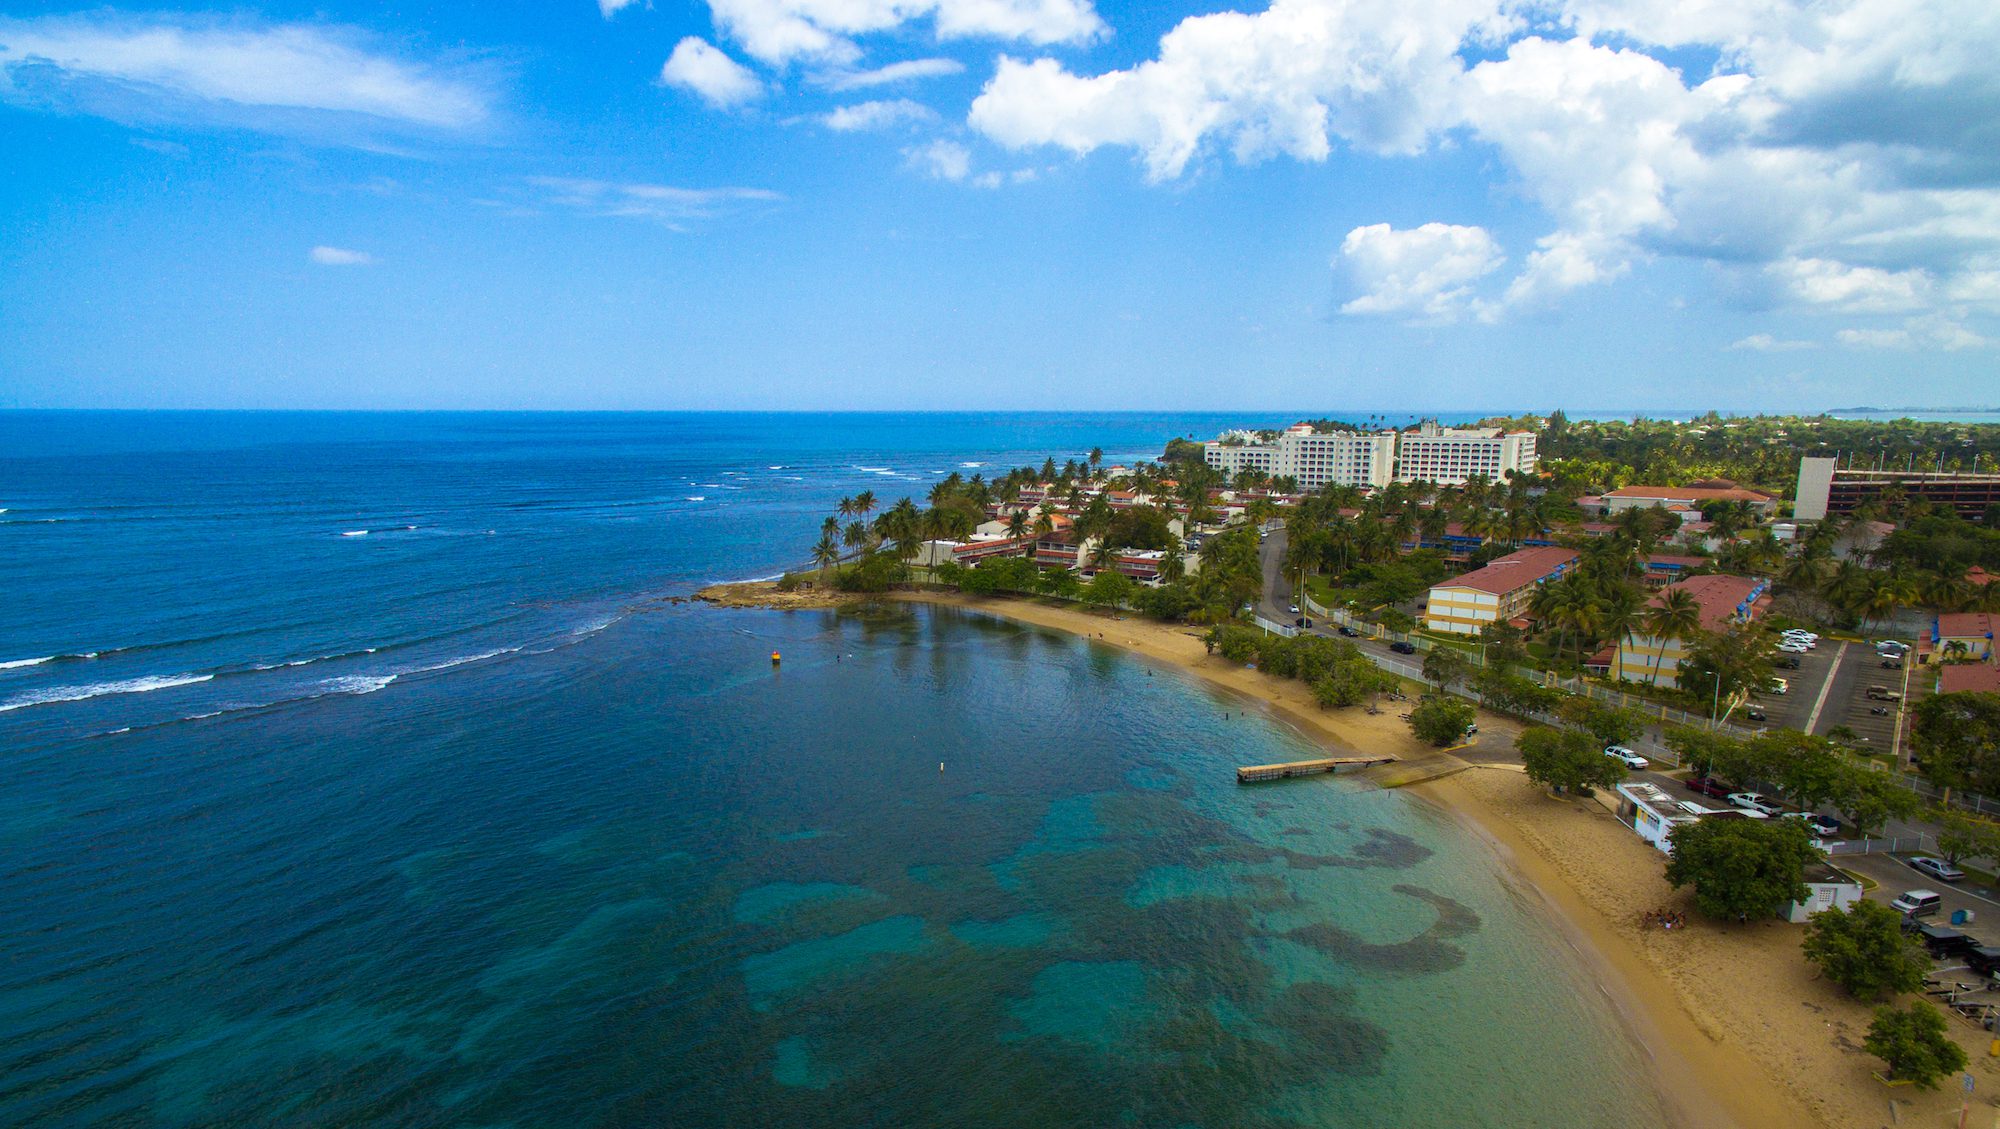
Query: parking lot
x,y
1848,702
1794,707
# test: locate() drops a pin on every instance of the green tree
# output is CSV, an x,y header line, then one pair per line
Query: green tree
x,y
1441,721
1863,949
1957,739
1962,836
1109,589
1610,724
1742,868
1446,666
1913,1042
1567,760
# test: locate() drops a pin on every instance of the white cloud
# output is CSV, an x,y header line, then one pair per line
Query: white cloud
x,y
341,257
1423,272
610,8
1931,331
665,204
909,70
1844,155
941,160
1832,285
876,115
1765,343
179,67
781,31
721,81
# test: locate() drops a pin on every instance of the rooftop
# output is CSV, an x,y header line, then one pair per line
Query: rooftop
x,y
1965,678
1965,625
1694,494
1720,597
1513,571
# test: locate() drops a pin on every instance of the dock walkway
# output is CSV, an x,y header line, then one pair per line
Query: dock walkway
x,y
1252,774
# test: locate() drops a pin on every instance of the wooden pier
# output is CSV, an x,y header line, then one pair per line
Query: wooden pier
x,y
1255,773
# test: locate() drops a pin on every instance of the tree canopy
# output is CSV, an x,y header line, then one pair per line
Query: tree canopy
x,y
1863,949
1567,759
1742,868
1914,1042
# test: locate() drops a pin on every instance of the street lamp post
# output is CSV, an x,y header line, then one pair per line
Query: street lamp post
x,y
1715,700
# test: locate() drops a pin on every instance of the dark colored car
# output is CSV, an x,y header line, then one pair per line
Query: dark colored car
x,y
1349,632
1790,664
1710,786
1754,714
1984,960
1944,941
1403,648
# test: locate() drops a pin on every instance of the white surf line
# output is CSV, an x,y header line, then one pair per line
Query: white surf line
x,y
1826,688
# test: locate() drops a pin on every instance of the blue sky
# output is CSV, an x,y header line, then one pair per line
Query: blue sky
x,y
1601,204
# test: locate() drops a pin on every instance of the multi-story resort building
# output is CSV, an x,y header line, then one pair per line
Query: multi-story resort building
x,y
1497,593
1451,456
1723,600
1825,487
1314,459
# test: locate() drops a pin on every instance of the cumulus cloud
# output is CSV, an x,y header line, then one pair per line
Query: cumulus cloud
x,y
1765,343
941,160
876,115
1839,157
699,66
665,204
1932,331
177,67
1423,273
340,257
909,70
782,31
610,8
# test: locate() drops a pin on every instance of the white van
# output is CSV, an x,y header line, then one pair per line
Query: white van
x,y
1917,903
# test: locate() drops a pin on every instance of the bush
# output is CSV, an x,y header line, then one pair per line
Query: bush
x,y
874,572
789,582
1914,1044
1441,721
1864,950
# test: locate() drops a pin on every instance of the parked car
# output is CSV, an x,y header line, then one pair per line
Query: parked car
x,y
1791,647
1943,941
1821,825
1801,633
1709,786
1883,694
1293,608
1754,714
1754,801
1891,647
1778,686
1892,664
1403,648
1937,868
1629,758
1791,663
1983,960
1917,903
1349,632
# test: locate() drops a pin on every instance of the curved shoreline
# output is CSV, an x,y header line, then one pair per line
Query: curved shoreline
x,y
1739,1030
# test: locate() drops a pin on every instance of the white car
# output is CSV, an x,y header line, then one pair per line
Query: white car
x,y
1630,758
1802,633
1778,686
1754,801
1792,647
1891,648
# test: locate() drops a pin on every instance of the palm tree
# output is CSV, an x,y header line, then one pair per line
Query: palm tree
x,y
826,554
864,502
1675,616
857,534
1017,524
1096,457
846,507
830,528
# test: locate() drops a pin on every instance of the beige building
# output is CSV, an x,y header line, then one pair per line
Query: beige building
x,y
1723,600
1450,456
1495,594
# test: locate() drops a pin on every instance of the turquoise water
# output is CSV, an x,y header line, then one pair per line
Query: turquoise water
x,y
633,875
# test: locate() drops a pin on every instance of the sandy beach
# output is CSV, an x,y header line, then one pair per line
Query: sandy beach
x,y
1739,1027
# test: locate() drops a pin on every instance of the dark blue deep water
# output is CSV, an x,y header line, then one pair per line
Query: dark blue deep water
x,y
463,821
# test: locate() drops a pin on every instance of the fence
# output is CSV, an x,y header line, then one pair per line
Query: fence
x,y
1276,628
1913,844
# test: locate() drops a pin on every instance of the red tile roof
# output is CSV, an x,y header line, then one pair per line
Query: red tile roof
x,y
1960,678
1720,597
1695,494
1965,625
1515,570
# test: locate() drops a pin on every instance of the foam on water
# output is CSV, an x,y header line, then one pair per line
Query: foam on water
x,y
144,685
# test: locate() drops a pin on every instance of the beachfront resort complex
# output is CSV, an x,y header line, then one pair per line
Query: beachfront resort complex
x,y
1313,458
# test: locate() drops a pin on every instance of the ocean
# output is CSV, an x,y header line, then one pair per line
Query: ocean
x,y
367,770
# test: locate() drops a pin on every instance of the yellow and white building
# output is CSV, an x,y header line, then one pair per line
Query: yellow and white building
x,y
1499,592
1723,600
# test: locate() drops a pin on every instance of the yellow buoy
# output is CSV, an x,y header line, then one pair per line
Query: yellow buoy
x,y
776,658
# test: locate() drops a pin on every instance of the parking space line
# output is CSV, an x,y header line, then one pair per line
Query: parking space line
x,y
1825,688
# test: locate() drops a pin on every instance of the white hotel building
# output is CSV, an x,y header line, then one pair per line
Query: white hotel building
x,y
1343,458
1450,456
